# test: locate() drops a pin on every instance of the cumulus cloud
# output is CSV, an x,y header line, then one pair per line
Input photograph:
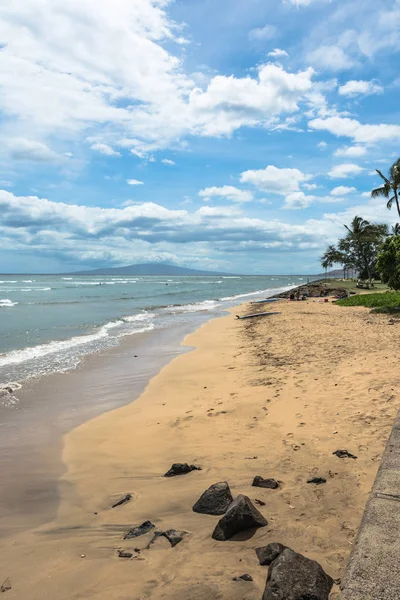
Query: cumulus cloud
x,y
60,82
351,151
104,149
363,134
300,200
227,191
275,180
344,171
31,150
330,58
278,53
357,88
167,161
342,190
268,32
134,182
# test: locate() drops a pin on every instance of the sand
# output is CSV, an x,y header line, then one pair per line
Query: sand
x,y
273,396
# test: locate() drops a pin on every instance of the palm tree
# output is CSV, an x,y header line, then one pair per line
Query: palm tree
x,y
396,229
391,186
362,243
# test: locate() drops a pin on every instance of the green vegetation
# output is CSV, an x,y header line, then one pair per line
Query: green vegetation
x,y
369,248
382,300
389,262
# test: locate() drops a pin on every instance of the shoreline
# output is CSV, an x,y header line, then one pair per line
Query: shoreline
x,y
271,397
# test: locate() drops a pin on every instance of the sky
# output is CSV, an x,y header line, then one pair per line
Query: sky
x,y
236,135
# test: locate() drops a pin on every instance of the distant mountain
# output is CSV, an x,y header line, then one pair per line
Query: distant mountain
x,y
149,269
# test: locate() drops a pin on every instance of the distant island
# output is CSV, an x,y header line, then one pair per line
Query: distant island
x,y
150,269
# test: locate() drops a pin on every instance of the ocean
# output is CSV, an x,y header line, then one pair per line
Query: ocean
x,y
48,323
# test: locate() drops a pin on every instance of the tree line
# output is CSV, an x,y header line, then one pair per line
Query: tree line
x,y
372,249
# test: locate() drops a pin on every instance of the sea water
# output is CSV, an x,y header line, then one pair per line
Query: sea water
x,y
48,323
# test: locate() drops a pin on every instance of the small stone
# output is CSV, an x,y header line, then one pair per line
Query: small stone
x,y
292,576
83,555
259,502
172,535
123,500
6,586
259,481
181,469
344,454
317,480
124,554
215,500
245,577
240,516
267,554
139,530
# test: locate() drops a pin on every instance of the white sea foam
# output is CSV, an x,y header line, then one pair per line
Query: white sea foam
x,y
36,352
28,280
7,303
67,278
140,317
198,306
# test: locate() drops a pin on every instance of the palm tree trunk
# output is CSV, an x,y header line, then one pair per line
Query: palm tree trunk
x,y
396,196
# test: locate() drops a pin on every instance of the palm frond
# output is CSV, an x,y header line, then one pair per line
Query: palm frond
x,y
390,202
385,179
382,191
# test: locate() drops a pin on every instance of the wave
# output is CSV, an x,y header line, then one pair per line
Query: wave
x,y
56,347
195,307
232,277
67,278
7,303
9,281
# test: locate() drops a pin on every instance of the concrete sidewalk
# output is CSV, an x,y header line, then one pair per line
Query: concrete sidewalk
x,y
373,572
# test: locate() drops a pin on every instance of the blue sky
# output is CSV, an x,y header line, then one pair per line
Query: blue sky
x,y
235,135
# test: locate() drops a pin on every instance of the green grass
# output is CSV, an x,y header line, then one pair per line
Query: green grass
x,y
351,286
381,300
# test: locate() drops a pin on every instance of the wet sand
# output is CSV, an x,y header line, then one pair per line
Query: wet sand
x,y
32,430
273,397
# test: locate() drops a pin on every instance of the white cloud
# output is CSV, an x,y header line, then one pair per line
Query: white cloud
x,y
277,53
31,150
300,200
299,2
356,88
263,33
104,149
351,151
167,161
342,190
227,191
322,145
275,180
363,134
134,182
330,57
366,194
344,171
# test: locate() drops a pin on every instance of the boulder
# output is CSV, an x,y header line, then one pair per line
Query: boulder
x,y
292,576
181,469
240,516
265,483
267,554
139,530
215,500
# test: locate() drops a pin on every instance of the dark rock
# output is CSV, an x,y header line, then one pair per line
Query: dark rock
x,y
172,535
317,480
259,502
292,576
139,530
267,554
124,554
245,577
123,500
181,469
215,500
240,516
343,454
265,483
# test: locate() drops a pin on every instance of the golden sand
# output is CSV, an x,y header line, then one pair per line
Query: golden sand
x,y
272,396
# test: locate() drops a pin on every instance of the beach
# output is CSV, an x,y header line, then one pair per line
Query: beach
x,y
274,396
